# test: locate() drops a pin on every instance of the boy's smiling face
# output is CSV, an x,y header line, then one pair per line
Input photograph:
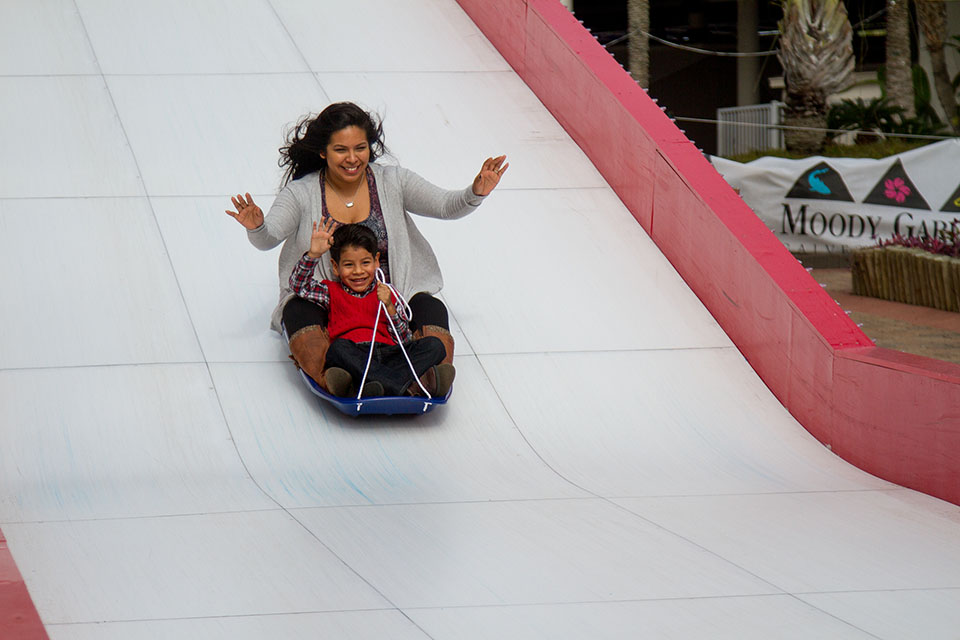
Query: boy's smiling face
x,y
357,268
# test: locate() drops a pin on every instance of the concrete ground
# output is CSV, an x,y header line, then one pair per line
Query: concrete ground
x,y
905,327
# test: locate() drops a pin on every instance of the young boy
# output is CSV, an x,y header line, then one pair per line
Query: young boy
x,y
352,304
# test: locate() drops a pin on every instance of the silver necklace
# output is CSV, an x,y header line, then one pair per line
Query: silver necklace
x,y
352,201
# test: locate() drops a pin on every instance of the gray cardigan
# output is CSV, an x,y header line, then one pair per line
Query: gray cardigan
x,y
413,265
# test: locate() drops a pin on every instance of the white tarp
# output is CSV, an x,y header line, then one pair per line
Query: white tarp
x,y
833,204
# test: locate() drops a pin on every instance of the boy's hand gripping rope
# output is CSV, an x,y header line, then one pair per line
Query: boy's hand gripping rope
x,y
404,311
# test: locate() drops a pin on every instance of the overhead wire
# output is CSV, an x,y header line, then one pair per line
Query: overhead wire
x,y
879,134
711,52
727,54
764,54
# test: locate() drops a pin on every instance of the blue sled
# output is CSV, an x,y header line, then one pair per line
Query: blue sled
x,y
381,405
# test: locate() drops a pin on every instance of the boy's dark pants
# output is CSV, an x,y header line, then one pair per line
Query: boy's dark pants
x,y
388,366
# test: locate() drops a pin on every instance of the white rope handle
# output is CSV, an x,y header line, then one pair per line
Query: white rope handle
x,y
405,312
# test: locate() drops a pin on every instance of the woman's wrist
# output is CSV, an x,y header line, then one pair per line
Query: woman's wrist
x,y
474,199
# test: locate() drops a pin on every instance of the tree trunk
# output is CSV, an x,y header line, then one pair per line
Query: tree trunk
x,y
932,16
802,141
748,41
817,58
638,18
899,80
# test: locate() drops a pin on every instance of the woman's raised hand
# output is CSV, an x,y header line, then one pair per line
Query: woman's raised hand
x,y
322,237
248,214
489,175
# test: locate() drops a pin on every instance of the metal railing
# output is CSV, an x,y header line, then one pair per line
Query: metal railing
x,y
749,128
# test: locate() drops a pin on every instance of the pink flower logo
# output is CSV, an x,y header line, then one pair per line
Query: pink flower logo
x,y
896,189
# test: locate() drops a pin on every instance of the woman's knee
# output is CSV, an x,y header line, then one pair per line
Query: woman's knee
x,y
428,310
299,313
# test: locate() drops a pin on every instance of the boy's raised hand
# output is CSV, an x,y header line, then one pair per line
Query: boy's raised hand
x,y
322,237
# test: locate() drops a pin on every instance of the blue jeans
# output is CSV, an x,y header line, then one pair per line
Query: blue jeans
x,y
388,366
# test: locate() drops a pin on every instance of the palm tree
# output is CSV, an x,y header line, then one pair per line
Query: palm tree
x,y
932,16
638,18
816,51
899,78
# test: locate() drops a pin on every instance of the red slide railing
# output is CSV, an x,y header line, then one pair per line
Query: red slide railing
x,y
892,414
18,615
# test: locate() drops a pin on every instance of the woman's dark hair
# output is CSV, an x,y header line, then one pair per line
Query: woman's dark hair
x,y
310,137
353,235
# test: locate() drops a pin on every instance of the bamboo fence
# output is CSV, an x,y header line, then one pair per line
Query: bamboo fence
x,y
906,274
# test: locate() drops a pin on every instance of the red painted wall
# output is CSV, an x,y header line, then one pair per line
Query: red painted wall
x,y
18,617
892,414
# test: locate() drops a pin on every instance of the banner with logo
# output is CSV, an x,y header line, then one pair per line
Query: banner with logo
x,y
832,205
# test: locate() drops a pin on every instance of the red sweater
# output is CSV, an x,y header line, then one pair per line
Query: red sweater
x,y
352,318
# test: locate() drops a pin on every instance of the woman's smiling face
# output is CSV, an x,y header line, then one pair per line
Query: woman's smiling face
x,y
347,154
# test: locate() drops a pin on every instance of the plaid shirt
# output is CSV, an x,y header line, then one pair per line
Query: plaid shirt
x,y
304,285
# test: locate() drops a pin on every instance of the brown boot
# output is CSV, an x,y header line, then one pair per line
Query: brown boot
x,y
445,375
444,336
436,380
308,350
429,382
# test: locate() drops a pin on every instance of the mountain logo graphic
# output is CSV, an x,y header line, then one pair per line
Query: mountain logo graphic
x,y
820,182
896,189
953,202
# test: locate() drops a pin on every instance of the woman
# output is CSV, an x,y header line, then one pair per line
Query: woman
x,y
330,172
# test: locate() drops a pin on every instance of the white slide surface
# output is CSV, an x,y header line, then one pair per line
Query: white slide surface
x,y
609,466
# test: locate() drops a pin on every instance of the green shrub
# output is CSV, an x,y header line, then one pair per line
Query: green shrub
x,y
877,115
885,119
880,149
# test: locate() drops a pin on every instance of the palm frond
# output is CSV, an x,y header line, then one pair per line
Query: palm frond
x,y
816,48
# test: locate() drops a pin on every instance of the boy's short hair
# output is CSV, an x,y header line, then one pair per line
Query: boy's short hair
x,y
353,235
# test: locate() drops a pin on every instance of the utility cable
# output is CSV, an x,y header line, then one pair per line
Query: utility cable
x,y
726,54
882,134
